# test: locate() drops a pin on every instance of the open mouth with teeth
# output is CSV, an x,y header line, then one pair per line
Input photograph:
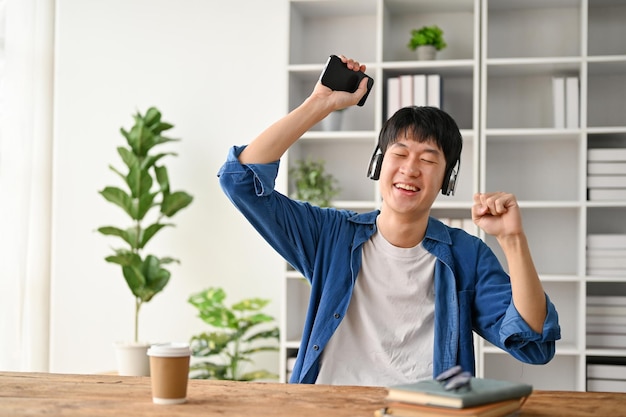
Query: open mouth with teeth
x,y
407,187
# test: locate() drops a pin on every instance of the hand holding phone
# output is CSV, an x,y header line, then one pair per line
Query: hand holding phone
x,y
337,76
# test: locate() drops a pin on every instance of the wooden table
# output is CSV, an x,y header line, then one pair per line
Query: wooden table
x,y
35,394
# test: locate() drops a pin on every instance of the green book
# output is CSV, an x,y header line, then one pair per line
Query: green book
x,y
478,391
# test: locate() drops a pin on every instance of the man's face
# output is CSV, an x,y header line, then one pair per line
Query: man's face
x,y
411,176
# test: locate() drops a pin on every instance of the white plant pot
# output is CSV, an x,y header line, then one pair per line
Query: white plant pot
x,y
132,358
426,52
332,122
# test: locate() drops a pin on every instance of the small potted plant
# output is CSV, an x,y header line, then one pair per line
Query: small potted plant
x,y
427,41
312,183
236,334
146,198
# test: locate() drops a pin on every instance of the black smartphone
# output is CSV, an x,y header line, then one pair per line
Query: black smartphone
x,y
338,77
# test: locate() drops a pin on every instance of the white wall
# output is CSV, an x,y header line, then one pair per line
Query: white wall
x,y
217,71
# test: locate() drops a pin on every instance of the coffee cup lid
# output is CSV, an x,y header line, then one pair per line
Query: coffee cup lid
x,y
169,350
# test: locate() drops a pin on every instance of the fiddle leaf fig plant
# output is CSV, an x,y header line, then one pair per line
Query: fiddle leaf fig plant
x,y
148,201
237,333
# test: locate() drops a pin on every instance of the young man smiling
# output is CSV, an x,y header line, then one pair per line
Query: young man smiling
x,y
395,294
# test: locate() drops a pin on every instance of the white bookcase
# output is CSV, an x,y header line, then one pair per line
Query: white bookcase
x,y
497,83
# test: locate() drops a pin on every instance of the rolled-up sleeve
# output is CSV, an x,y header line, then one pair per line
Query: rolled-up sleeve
x,y
233,174
526,344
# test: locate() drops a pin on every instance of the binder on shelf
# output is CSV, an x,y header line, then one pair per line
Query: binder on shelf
x,y
572,101
419,90
393,95
406,90
558,101
433,90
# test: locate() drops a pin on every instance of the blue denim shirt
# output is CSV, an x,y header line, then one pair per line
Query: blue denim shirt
x,y
472,291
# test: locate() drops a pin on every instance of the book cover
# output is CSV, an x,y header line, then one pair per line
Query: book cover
x,y
605,320
606,168
419,90
611,328
606,272
606,310
433,90
607,194
606,385
606,181
571,103
606,155
606,253
558,101
406,90
393,95
606,340
497,409
479,391
597,262
606,300
603,371
606,240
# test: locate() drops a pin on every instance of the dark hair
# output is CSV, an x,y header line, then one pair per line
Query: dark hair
x,y
424,124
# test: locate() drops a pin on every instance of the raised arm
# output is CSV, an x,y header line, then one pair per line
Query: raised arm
x,y
498,214
273,142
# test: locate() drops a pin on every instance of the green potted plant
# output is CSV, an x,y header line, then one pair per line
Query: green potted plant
x,y
312,183
237,333
427,41
148,201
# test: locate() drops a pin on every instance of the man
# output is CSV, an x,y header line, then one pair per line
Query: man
x,y
395,294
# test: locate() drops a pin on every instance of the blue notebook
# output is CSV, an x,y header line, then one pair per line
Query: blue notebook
x,y
478,391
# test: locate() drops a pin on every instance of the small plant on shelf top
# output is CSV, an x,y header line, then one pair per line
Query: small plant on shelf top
x,y
427,35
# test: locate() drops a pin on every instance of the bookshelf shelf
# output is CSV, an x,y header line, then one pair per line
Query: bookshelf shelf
x,y
500,92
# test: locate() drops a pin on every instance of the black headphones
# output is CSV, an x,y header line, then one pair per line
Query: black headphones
x,y
449,179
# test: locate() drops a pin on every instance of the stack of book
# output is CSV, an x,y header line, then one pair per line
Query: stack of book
x,y
607,377
606,321
481,398
413,90
606,255
606,174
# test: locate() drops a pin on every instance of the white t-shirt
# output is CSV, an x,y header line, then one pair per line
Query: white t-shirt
x,y
386,337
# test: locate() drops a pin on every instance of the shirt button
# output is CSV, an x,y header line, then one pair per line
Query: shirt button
x,y
337,315
316,347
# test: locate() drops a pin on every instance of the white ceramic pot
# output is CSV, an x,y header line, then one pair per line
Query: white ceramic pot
x,y
332,122
426,52
132,358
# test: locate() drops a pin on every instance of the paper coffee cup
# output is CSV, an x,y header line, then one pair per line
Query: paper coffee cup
x,y
169,371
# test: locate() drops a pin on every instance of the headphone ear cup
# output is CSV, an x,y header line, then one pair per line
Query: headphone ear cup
x,y
449,184
373,170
